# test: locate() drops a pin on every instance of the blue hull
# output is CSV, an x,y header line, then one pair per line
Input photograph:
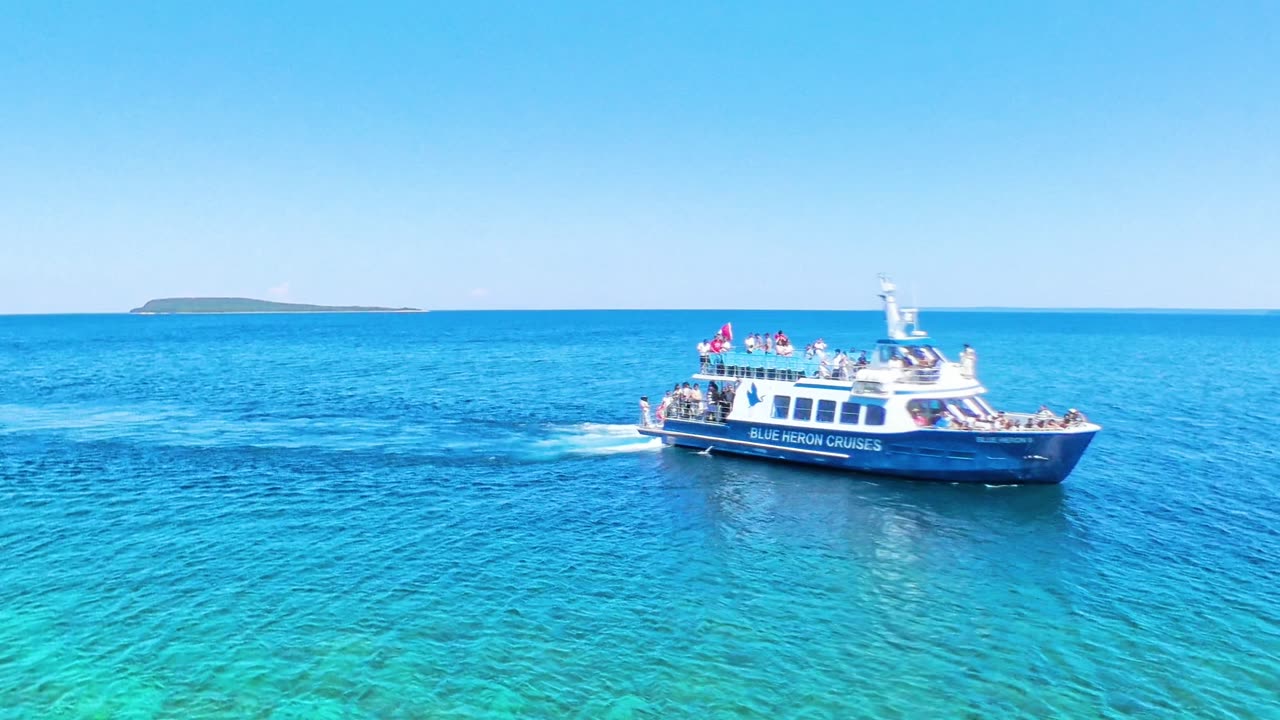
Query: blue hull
x,y
998,457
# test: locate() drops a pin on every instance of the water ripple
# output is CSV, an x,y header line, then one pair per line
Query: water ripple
x,y
339,517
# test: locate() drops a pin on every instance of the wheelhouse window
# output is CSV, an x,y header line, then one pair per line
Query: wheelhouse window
x,y
781,406
875,415
926,412
804,409
826,411
849,412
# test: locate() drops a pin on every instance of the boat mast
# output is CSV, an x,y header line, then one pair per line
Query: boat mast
x,y
902,324
892,318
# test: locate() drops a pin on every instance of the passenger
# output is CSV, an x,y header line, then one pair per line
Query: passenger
x,y
717,345
943,421
808,351
820,345
749,343
645,420
768,343
1045,413
968,362
704,354
841,364
918,418
695,399
664,406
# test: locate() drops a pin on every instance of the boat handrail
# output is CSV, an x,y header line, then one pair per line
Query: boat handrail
x,y
772,366
921,375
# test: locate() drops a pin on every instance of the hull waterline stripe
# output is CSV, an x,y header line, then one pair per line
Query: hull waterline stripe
x,y
751,444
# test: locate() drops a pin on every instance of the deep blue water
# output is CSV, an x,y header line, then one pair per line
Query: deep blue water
x,y
446,515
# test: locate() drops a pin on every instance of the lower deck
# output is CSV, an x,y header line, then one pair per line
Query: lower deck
x,y
998,457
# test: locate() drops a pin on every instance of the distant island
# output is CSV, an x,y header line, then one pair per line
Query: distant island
x,y
166,306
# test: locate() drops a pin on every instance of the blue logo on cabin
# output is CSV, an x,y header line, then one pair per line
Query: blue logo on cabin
x,y
753,396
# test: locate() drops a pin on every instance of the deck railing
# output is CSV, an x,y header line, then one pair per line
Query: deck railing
x,y
921,375
737,364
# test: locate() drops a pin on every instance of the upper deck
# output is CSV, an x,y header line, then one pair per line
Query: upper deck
x,y
879,374
906,360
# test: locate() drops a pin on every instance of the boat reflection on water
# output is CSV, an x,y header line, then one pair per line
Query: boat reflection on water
x,y
903,544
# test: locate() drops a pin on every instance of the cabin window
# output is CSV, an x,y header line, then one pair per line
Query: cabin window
x,y
804,408
875,415
781,406
826,411
929,410
849,413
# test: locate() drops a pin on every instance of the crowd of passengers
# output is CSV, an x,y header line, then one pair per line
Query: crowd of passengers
x,y
1045,419
685,402
837,364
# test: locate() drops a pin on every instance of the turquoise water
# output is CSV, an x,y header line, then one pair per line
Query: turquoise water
x,y
446,515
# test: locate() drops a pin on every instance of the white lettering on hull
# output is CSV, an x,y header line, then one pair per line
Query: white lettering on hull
x,y
800,437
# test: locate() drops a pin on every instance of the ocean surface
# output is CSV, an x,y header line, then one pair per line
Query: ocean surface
x,y
449,516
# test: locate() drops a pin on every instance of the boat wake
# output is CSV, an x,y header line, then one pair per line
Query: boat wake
x,y
453,442
594,439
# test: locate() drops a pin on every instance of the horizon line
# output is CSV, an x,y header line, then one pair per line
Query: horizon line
x,y
976,309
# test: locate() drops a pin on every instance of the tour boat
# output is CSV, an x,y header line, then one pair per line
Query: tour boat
x,y
906,411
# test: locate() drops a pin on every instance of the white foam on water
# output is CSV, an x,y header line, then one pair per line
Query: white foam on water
x,y
611,429
645,445
595,439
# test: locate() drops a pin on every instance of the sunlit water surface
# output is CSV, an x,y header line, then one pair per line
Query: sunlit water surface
x,y
447,515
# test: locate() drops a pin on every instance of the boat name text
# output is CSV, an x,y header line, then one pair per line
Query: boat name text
x,y
797,437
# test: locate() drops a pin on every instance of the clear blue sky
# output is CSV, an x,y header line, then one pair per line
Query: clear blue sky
x,y
532,155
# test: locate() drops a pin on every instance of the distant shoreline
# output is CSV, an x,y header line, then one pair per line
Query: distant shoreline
x,y
249,306
413,311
